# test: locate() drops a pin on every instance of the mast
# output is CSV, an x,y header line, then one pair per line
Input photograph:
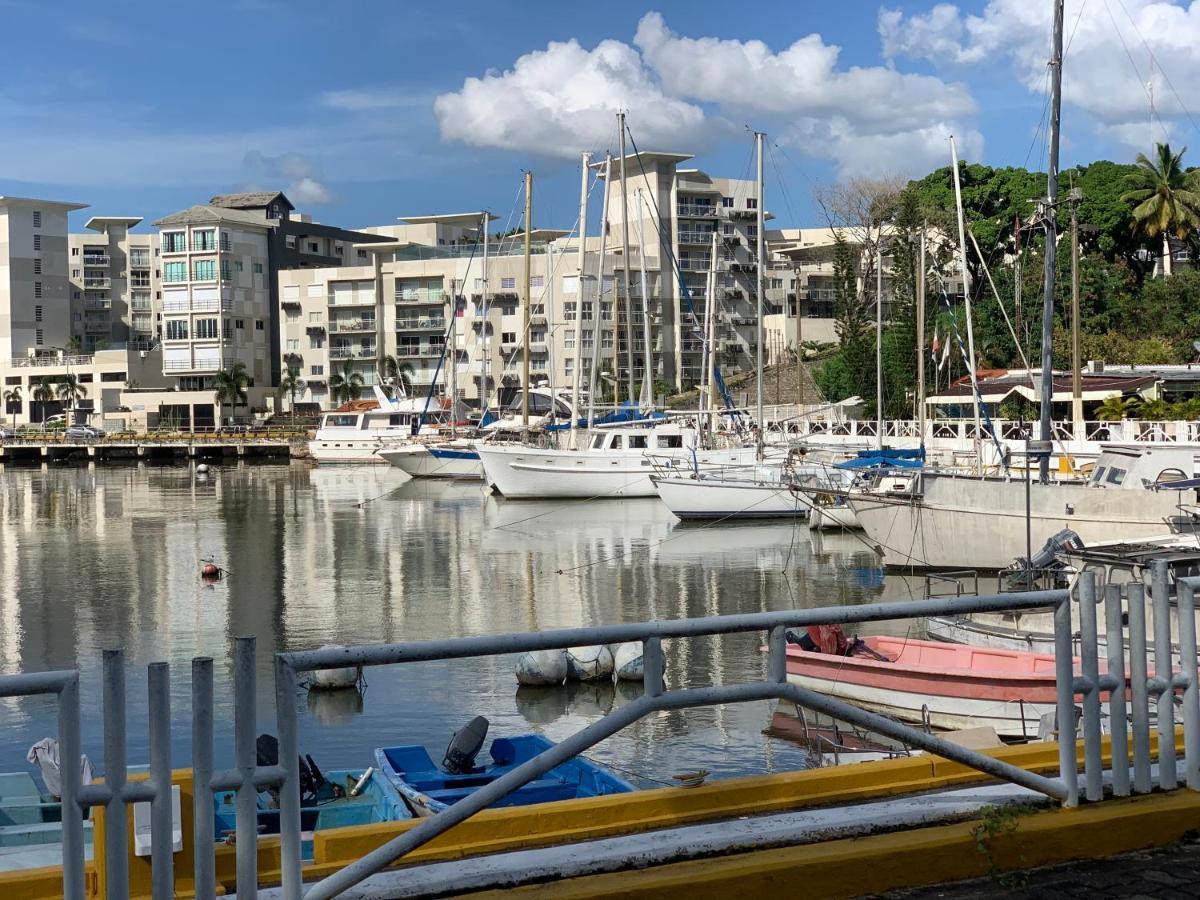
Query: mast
x,y
1076,349
966,280
879,343
597,311
920,298
758,145
525,317
580,293
626,300
484,393
648,371
453,379
1050,218
710,287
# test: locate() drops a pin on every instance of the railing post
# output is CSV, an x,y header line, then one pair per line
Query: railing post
x,y
1185,597
162,862
777,655
1117,717
289,791
1093,765
72,812
1064,678
116,835
652,666
203,827
1167,779
245,760
1138,694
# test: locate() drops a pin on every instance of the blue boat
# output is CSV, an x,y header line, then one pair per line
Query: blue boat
x,y
429,788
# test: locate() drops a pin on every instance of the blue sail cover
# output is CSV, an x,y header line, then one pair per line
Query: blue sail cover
x,y
887,458
628,411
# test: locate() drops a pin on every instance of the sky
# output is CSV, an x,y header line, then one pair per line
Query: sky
x,y
364,112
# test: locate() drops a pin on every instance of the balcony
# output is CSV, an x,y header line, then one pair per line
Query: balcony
x,y
695,264
203,306
97,259
97,304
704,238
414,351
428,324
539,347
313,327
140,306
538,319
94,282
344,325
696,210
420,295
353,353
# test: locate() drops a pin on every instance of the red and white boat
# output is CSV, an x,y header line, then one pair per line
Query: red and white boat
x,y
948,686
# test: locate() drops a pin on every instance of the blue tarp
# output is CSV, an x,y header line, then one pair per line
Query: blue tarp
x,y
887,458
628,412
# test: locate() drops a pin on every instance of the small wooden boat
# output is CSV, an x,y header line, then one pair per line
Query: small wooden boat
x,y
428,788
947,686
830,742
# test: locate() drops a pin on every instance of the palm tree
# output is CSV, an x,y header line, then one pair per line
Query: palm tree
x,y
399,373
1116,408
230,385
69,390
345,384
12,398
44,393
291,384
1165,198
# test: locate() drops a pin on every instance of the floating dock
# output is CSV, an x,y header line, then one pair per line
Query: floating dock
x,y
133,450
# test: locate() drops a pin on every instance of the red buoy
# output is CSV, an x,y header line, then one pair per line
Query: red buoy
x,y
210,570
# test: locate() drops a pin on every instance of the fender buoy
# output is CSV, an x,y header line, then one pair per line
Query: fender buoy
x,y
210,570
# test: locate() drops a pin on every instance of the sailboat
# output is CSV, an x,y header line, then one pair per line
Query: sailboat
x,y
941,520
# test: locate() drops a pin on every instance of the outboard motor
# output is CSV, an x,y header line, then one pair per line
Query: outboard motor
x,y
464,746
1044,559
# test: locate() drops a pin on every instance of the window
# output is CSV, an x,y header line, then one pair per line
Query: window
x,y
293,344
204,239
240,324
175,271
316,370
569,339
508,337
38,337
75,294
237,265
316,342
479,284
586,310
258,324
727,202
177,329
637,442
37,245
290,241
1116,476
206,329
139,279
508,284
204,270
751,203
752,230
670,441
74,251
226,275
37,266
606,312
37,289
37,314
727,228
74,273
314,247
569,310
537,281
292,315
258,268
173,242
139,258
568,365
37,218
606,340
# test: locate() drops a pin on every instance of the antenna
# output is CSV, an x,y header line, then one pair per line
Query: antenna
x,y
1150,94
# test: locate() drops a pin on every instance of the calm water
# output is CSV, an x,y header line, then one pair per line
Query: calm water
x,y
109,557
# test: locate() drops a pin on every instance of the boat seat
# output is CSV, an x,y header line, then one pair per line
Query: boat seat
x,y
544,790
30,834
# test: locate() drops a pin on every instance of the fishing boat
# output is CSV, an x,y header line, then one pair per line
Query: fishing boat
x,y
429,788
31,824
354,432
947,686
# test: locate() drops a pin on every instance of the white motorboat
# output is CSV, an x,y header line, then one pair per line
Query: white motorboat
x,y
353,433
760,492
617,462
945,521
453,459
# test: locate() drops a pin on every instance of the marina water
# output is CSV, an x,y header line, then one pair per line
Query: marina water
x,y
110,556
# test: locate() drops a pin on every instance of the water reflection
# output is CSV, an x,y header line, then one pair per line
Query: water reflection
x,y
110,556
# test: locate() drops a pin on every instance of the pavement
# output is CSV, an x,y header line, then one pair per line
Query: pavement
x,y
1167,873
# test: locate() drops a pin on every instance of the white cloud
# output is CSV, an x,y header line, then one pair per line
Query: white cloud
x,y
561,100
1105,66
683,92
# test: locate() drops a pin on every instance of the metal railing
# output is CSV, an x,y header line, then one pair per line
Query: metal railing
x,y
246,778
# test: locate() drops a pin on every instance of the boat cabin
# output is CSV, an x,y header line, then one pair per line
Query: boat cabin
x,y
638,439
1140,468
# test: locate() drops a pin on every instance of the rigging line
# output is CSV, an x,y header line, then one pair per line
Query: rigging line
x,y
783,191
1133,65
1162,71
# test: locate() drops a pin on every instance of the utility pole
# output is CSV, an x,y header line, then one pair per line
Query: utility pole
x,y
1050,219
1075,195
525,316
626,300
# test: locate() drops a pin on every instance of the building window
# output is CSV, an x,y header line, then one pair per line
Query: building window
x,y
74,251
316,342
258,269
226,275
314,247
37,266
237,265
508,284
293,344
206,329
290,241
751,203
37,242
38,337
204,239
569,339
537,281
177,329
140,279
37,314
76,294
727,202
174,242
292,315
37,289
508,337
139,258
175,271
258,324
204,270
727,228
752,230
362,254
239,324
37,218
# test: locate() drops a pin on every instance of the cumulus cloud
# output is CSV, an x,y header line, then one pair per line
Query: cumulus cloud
x,y
561,100
1105,68
303,188
683,92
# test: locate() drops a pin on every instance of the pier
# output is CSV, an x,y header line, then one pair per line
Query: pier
x,y
144,448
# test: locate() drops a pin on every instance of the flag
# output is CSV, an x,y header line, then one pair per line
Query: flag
x,y
936,345
945,355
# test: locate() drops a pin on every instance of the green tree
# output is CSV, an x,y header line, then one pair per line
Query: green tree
x,y
1165,199
1116,408
397,373
229,386
44,393
345,385
69,390
12,398
289,386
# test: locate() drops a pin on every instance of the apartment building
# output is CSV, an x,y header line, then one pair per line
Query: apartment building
x,y
116,285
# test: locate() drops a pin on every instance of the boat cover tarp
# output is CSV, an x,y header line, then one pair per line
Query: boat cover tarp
x,y
627,412
886,458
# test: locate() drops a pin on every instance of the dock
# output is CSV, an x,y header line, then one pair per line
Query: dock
x,y
137,449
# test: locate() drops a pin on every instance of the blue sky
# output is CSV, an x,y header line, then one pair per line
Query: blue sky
x,y
365,112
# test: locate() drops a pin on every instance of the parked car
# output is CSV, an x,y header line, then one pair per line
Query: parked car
x,y
83,433
53,422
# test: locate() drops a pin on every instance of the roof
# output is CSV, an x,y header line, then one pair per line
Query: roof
x,y
97,223
632,161
33,201
250,200
466,219
202,214
997,385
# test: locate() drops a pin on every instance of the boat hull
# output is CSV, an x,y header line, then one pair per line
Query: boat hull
x,y
421,461
712,498
346,451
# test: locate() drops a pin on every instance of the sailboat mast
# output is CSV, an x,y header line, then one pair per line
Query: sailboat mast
x,y
525,317
761,293
966,280
626,300
648,371
585,170
920,298
879,344
453,359
598,310
483,381
710,285
1050,219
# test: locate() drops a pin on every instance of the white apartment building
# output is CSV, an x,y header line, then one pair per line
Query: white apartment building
x,y
116,285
